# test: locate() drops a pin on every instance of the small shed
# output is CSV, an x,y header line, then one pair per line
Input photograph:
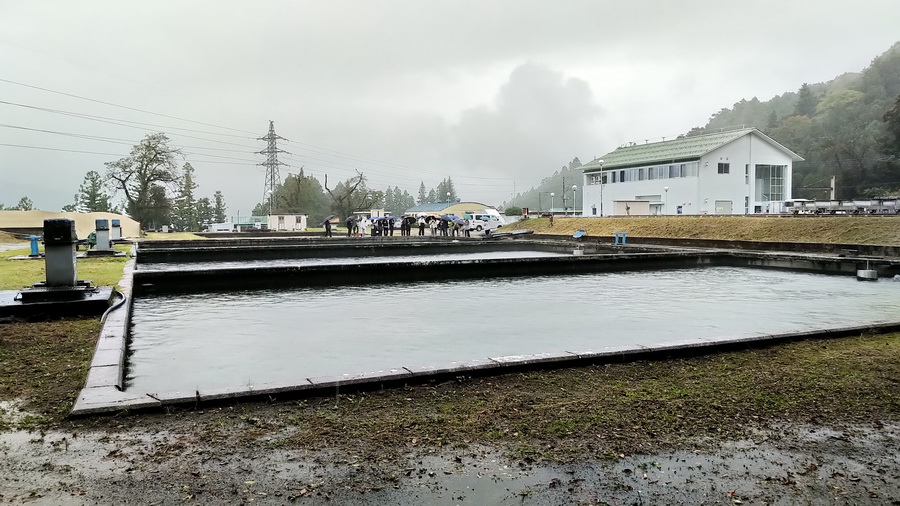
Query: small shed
x,y
287,222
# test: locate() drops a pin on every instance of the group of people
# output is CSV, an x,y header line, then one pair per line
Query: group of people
x,y
385,226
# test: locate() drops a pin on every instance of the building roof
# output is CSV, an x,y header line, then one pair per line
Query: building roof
x,y
85,223
677,150
456,208
429,208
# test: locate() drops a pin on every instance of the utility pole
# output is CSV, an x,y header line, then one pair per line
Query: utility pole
x,y
273,177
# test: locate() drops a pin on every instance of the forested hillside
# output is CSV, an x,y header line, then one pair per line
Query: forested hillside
x,y
848,127
842,128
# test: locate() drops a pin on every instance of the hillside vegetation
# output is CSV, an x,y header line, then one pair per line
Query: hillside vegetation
x,y
844,230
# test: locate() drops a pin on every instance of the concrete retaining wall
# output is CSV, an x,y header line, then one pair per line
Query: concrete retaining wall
x,y
873,250
231,251
332,275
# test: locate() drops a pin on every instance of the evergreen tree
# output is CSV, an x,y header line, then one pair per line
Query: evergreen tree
x,y
432,197
407,200
184,214
90,197
451,189
219,209
157,208
25,204
205,213
399,205
389,203
806,102
889,145
423,197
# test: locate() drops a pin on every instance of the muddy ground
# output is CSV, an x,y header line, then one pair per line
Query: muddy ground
x,y
808,422
166,461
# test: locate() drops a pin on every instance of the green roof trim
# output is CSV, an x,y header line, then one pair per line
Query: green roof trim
x,y
678,150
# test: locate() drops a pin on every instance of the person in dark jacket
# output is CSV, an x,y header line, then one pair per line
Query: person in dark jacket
x,y
327,228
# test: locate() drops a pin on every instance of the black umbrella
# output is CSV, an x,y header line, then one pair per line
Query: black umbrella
x,y
328,219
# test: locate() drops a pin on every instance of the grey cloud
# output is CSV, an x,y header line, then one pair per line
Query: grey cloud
x,y
540,120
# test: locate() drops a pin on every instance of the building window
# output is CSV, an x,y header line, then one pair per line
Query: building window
x,y
724,168
770,182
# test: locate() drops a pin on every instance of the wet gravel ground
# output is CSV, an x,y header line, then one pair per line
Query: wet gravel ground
x,y
793,465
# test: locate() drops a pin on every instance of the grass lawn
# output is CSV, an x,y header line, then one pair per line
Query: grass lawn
x,y
18,274
173,236
838,229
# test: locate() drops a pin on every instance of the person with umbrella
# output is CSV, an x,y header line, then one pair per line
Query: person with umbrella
x,y
327,224
350,223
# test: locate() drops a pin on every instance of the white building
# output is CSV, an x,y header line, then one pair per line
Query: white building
x,y
729,172
287,222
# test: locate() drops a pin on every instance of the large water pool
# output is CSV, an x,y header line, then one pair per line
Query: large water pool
x,y
241,339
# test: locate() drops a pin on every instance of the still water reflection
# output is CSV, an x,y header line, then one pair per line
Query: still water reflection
x,y
203,341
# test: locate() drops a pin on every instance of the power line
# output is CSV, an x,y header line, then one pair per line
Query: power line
x,y
59,149
120,106
124,123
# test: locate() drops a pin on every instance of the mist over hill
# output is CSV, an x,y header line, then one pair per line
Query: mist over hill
x,y
848,127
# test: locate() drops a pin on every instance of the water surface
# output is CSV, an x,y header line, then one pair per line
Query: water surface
x,y
240,339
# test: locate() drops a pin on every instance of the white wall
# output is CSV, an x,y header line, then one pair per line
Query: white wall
x,y
681,191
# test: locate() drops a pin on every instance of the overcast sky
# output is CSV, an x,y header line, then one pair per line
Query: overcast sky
x,y
495,94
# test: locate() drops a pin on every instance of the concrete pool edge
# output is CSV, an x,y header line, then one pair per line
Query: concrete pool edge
x,y
106,373
101,396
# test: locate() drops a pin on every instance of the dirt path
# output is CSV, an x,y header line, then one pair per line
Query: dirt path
x,y
802,464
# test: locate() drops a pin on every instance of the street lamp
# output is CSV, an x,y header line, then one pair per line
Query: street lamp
x,y
551,202
448,197
666,203
574,187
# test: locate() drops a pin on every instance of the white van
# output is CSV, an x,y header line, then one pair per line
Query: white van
x,y
483,221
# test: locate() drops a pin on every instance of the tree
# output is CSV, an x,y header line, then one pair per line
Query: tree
x,y
157,210
219,209
806,102
432,197
353,195
406,201
91,197
423,197
443,188
889,144
300,194
513,211
205,213
25,204
184,213
144,175
399,202
389,203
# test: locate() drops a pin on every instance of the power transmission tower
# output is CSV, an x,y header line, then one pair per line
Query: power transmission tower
x,y
273,177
